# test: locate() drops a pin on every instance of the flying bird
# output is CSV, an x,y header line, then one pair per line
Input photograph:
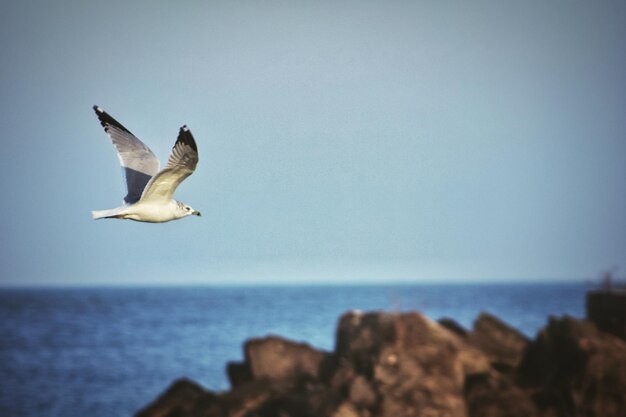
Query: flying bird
x,y
150,191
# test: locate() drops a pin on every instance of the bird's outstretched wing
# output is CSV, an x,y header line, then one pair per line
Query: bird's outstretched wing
x,y
180,165
137,160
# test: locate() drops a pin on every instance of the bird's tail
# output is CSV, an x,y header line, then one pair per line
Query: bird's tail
x,y
107,214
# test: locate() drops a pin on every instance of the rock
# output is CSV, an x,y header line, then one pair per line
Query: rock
x,y
607,310
503,345
253,398
279,377
342,376
238,373
473,360
411,362
346,410
574,369
453,326
178,400
361,336
496,395
406,365
275,358
361,393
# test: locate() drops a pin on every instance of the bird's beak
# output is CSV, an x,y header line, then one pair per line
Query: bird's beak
x,y
197,213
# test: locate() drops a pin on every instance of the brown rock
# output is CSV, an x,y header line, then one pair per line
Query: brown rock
x,y
360,336
178,400
342,375
576,370
453,326
473,360
275,358
495,395
412,362
249,399
346,410
405,365
238,373
361,393
503,345
607,310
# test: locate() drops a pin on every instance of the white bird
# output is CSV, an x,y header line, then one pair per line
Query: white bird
x,y
150,192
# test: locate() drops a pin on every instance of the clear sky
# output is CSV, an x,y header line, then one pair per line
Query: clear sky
x,y
339,141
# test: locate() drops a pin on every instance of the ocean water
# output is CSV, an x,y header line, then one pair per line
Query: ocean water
x,y
106,352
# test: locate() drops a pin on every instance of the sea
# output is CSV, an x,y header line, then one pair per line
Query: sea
x,y
107,352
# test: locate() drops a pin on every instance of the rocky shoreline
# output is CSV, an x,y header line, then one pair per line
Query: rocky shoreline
x,y
407,365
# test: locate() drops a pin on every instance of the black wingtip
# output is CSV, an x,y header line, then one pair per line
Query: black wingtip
x,y
185,137
106,120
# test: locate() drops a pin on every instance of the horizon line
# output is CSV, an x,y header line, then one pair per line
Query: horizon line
x,y
280,283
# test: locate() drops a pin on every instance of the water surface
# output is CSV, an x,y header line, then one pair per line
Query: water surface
x,y
105,352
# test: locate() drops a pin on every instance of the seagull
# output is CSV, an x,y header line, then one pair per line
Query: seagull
x,y
150,191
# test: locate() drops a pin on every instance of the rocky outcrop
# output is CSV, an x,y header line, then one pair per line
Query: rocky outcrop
x,y
496,395
607,310
573,369
182,398
276,359
406,365
411,364
503,345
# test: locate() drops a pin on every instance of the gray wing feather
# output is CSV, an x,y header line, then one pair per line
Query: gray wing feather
x,y
137,160
181,164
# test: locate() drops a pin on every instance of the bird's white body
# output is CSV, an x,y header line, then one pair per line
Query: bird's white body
x,y
146,212
150,191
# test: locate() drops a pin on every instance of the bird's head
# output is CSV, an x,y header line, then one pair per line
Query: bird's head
x,y
186,210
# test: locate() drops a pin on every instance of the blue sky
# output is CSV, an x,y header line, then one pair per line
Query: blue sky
x,y
339,141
